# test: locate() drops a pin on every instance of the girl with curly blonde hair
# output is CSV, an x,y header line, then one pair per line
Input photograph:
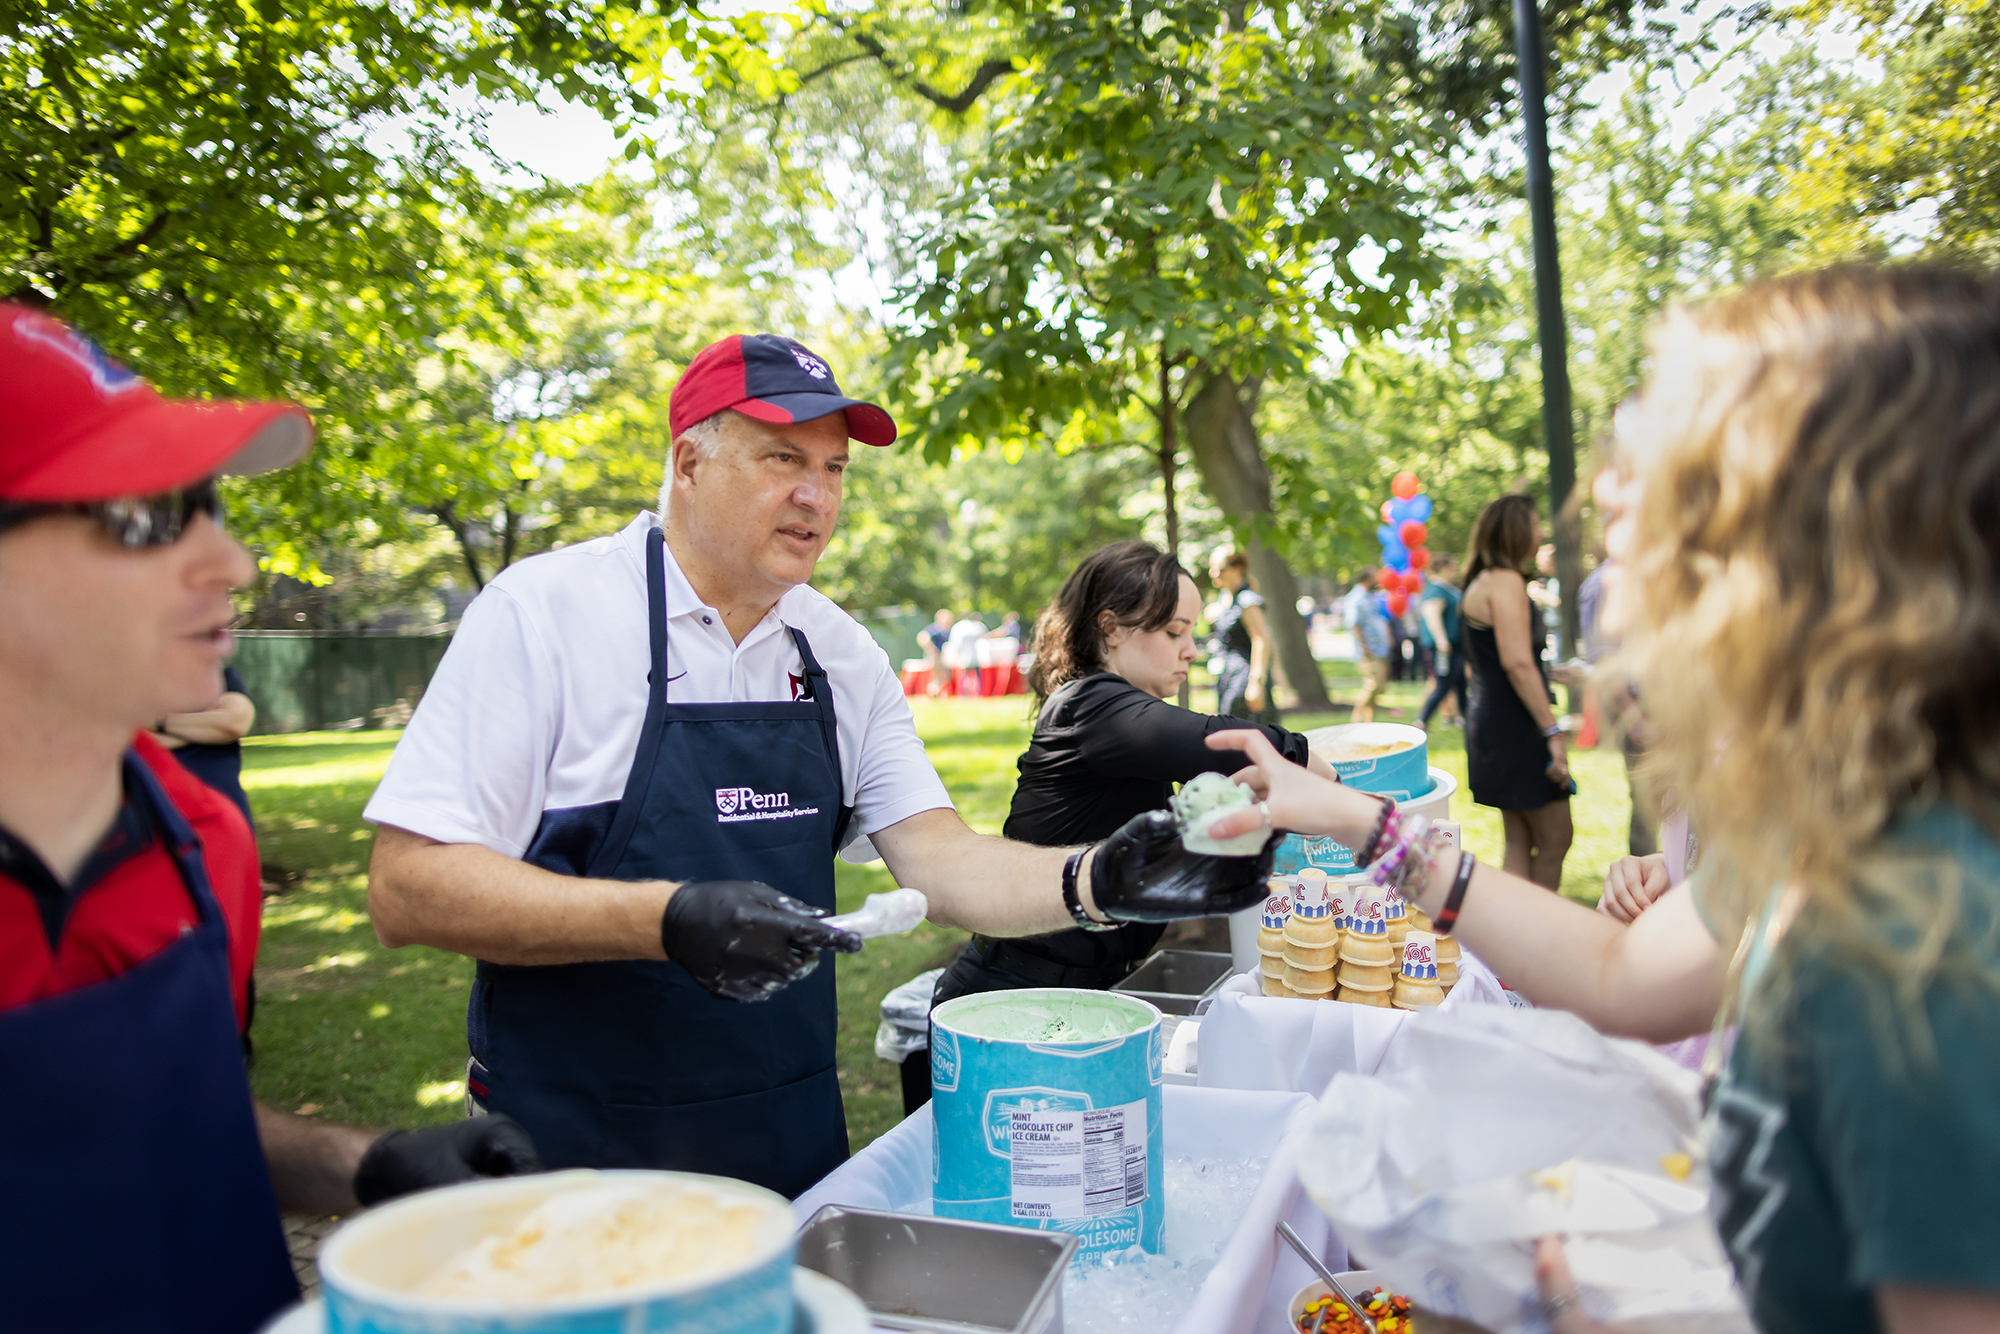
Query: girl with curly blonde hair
x,y
1806,507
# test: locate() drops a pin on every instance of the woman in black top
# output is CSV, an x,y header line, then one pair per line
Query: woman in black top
x,y
1238,640
1515,753
1106,747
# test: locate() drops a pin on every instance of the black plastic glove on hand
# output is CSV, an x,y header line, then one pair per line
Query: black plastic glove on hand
x,y
745,941
479,1146
1143,874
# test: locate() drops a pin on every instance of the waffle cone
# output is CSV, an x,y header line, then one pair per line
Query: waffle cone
x,y
1447,971
1398,928
1448,949
1308,979
1271,965
1274,986
1419,922
1353,996
1270,940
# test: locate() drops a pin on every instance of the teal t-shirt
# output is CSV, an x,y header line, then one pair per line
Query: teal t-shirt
x,y
1447,614
1837,1170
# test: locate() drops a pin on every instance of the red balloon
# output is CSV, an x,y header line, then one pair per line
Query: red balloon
x,y
1420,558
1405,485
1389,580
1387,517
1413,533
1398,603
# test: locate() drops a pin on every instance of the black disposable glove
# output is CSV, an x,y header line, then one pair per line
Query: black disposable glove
x,y
479,1146
745,941
1143,874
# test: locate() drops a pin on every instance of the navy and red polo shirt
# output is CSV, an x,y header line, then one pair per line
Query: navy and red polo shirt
x,y
128,901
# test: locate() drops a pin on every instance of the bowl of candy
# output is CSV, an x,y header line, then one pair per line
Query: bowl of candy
x,y
1315,1310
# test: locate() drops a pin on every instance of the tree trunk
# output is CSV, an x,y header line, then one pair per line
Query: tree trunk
x,y
1222,436
447,514
1170,448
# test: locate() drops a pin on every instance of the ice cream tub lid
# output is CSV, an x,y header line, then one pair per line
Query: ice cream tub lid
x,y
1420,960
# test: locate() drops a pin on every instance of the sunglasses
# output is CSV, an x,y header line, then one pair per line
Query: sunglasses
x,y
133,522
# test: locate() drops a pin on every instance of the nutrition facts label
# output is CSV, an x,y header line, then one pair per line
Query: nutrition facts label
x,y
1078,1164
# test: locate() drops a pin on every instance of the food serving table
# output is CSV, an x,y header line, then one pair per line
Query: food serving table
x,y
1252,1283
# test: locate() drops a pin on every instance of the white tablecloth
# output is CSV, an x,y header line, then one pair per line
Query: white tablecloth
x,y
1248,1290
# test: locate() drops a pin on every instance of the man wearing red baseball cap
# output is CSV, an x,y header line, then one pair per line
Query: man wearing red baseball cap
x,y
141,1183
636,743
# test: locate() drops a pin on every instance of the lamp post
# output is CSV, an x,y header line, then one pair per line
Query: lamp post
x,y
1558,424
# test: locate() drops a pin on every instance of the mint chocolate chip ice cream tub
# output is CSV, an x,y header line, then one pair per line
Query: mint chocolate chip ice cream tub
x,y
1046,1104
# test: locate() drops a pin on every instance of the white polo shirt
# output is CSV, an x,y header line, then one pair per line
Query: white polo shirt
x,y
538,703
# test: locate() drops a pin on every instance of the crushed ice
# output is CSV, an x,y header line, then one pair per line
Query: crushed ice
x,y
1134,1291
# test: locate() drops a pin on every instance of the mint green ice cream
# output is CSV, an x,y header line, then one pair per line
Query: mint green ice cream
x,y
1046,1015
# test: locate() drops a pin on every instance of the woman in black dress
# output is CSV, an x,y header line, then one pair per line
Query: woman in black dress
x,y
1238,640
1106,747
1515,751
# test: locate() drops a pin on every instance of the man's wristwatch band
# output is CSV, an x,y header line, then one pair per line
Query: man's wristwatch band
x,y
1075,904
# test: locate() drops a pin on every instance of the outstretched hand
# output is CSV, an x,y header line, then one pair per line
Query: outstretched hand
x,y
1296,800
1631,884
743,940
1143,874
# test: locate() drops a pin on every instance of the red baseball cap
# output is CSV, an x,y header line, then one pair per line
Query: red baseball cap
x,y
774,379
76,425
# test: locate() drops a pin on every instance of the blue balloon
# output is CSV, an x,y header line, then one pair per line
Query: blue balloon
x,y
1382,603
1399,511
1387,537
1400,561
1420,508
1394,551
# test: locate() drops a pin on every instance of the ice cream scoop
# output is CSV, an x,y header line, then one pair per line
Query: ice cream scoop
x,y
1203,800
888,914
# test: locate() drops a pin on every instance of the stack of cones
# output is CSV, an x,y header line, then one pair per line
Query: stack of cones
x,y
1367,960
1312,939
1396,913
1271,936
1447,956
1417,985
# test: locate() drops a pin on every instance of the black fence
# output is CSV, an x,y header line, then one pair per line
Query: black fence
x,y
311,681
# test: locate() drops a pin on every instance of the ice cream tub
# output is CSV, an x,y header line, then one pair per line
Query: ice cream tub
x,y
577,1252
1046,1104
1296,852
1388,759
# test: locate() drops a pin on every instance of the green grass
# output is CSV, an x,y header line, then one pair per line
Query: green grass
x,y
360,1033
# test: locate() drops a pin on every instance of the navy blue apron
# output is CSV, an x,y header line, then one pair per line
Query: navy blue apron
x,y
134,1193
632,1063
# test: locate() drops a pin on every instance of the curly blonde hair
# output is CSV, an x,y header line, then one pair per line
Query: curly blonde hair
x,y
1813,616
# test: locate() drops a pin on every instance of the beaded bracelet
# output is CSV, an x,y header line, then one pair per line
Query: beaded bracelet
x,y
1410,849
1383,819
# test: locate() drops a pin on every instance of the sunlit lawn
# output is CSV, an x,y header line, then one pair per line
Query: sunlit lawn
x,y
349,1030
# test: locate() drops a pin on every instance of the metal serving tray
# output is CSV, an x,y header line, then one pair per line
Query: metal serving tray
x,y
915,1271
1177,980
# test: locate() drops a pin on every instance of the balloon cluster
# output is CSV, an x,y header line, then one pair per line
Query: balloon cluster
x,y
1402,535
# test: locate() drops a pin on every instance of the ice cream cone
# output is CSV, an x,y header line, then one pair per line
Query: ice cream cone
x,y
1447,973
1311,956
1366,974
1418,922
1359,996
1271,965
1310,932
1447,949
1271,925
1274,986
1412,995
1308,979
1396,915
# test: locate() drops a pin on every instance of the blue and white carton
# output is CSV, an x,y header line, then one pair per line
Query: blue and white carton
x,y
1046,1106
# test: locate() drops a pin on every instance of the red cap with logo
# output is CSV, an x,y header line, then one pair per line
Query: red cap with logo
x,y
77,426
774,379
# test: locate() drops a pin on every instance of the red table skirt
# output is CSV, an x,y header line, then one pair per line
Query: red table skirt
x,y
969,681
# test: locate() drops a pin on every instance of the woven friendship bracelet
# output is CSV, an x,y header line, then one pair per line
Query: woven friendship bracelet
x,y
1383,817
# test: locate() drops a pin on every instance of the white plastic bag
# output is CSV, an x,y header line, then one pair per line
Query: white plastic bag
x,y
906,1018
1484,1129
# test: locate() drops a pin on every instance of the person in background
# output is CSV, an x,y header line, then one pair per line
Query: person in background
x,y
1010,628
1619,710
1515,752
209,743
1110,652
961,652
1240,643
142,1182
932,639
1362,614
1439,608
1810,606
